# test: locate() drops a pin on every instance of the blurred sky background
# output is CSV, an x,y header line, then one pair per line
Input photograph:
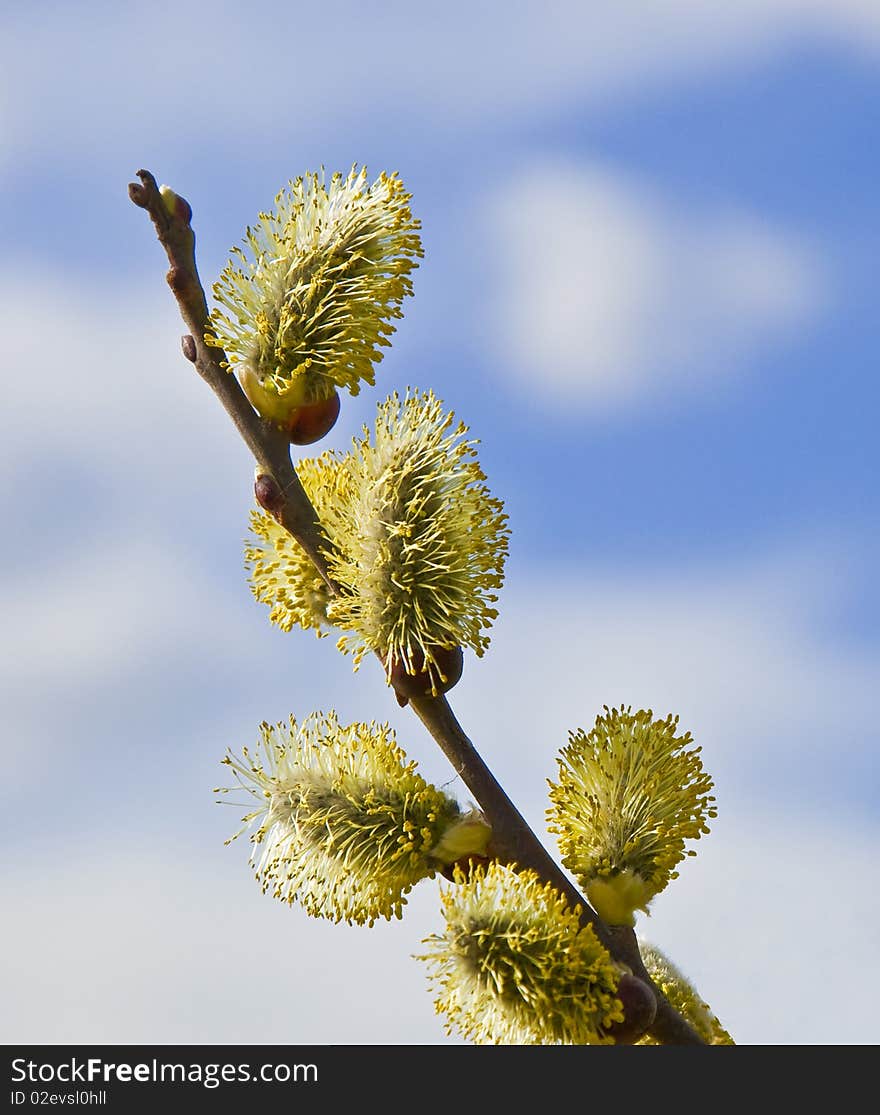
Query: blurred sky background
x,y
651,234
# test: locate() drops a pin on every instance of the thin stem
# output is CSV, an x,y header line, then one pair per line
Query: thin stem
x,y
512,839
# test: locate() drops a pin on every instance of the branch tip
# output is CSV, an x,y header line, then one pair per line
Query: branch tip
x,y
141,193
138,194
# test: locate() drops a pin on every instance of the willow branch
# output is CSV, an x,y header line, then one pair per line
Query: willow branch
x,y
513,841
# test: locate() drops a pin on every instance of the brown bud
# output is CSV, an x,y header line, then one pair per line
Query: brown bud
x,y
310,423
182,209
448,661
639,1010
466,864
188,344
267,493
177,207
177,279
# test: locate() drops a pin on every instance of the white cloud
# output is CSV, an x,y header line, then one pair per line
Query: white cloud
x,y
112,387
609,297
117,600
124,78
161,944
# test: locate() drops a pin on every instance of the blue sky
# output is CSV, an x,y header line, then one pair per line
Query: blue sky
x,y
648,287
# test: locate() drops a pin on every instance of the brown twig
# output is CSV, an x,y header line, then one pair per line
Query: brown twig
x,y
512,839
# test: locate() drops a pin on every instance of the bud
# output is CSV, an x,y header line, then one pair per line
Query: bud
x,y
309,424
639,1010
460,870
267,493
303,422
630,793
417,681
344,824
306,306
419,546
467,838
616,896
516,967
281,573
175,205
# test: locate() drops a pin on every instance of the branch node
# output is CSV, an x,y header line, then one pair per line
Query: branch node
x,y
177,279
